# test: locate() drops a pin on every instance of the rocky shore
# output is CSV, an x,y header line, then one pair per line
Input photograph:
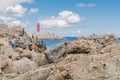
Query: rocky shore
x,y
87,58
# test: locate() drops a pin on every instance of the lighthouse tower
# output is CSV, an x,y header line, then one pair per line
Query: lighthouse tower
x,y
38,27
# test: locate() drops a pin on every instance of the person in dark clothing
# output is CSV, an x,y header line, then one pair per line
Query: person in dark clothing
x,y
36,38
23,32
42,42
33,36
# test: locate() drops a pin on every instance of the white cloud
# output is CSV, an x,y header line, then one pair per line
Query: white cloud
x,y
86,5
16,23
33,10
78,31
64,19
6,19
10,10
6,3
17,10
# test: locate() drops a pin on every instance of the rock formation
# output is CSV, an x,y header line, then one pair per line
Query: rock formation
x,y
87,58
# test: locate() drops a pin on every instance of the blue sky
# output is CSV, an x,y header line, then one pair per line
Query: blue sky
x,y
64,17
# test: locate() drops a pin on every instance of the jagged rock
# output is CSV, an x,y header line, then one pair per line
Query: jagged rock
x,y
2,77
82,38
23,65
3,45
104,40
3,64
16,56
37,74
11,75
26,53
56,53
88,58
113,48
39,58
38,47
43,73
18,53
9,69
77,47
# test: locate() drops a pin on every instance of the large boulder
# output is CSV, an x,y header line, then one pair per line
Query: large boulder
x,y
37,74
88,58
26,53
92,67
18,53
3,64
104,39
56,53
24,64
39,58
78,47
43,73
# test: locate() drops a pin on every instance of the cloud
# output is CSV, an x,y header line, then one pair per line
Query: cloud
x,y
6,3
11,10
18,23
5,19
33,10
17,10
64,19
81,5
78,31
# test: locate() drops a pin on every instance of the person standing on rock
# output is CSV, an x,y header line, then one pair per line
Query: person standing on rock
x,y
33,36
32,47
22,35
13,44
42,42
36,38
23,32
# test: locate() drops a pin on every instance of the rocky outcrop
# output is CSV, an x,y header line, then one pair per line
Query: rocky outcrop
x,y
38,47
84,45
14,33
87,58
23,65
20,60
99,67
39,58
56,53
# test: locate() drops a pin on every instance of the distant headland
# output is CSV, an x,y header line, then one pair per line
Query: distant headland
x,y
45,35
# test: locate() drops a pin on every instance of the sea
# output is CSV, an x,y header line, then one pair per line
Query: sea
x,y
51,43
118,38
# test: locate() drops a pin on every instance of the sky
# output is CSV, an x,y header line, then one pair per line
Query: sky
x,y
63,17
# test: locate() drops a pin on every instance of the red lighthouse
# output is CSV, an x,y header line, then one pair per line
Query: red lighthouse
x,y
38,27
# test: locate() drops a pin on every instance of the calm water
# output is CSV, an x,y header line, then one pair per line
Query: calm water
x,y
52,43
118,38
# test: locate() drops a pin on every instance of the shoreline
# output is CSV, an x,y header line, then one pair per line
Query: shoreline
x,y
45,35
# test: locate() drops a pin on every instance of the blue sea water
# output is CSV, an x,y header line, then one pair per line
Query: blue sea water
x,y
51,43
118,38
